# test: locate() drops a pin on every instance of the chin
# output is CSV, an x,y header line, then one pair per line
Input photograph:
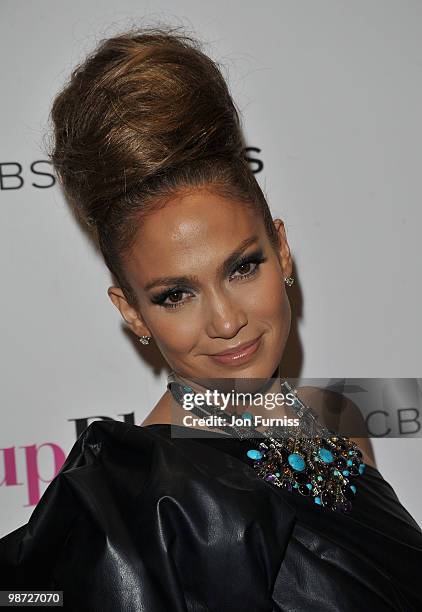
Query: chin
x,y
246,377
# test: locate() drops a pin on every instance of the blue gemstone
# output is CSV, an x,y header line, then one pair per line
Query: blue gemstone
x,y
277,474
317,500
336,472
308,484
319,477
325,455
349,462
353,488
362,468
296,461
254,454
186,388
345,472
247,415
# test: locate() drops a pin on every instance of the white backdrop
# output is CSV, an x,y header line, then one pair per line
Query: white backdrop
x,y
330,94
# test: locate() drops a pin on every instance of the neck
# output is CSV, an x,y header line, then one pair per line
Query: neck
x,y
247,388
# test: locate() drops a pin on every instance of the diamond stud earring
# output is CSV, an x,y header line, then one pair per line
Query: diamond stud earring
x,y
144,339
289,280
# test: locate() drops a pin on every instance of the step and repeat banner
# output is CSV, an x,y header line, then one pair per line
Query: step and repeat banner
x,y
330,98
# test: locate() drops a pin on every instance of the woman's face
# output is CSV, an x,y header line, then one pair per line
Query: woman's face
x,y
220,302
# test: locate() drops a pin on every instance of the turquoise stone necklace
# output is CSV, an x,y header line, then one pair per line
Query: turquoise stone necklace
x,y
309,459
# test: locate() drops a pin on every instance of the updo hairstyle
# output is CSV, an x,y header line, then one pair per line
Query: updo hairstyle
x,y
143,118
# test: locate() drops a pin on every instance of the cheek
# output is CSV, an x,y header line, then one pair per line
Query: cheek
x,y
274,310
272,302
175,333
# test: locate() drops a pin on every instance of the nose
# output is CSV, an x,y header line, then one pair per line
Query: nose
x,y
226,317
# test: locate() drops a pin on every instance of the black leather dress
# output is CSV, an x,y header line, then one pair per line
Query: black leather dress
x,y
139,521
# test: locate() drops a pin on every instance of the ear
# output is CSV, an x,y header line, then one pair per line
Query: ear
x,y
130,315
283,249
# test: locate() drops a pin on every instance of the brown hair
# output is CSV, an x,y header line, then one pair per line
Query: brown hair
x,y
144,116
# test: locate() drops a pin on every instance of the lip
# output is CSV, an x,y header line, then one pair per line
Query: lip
x,y
240,354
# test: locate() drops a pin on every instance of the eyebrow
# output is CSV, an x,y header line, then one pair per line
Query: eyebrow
x,y
223,269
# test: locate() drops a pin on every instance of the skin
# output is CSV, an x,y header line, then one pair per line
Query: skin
x,y
192,235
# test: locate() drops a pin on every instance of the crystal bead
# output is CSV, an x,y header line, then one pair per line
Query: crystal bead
x,y
254,454
296,461
325,455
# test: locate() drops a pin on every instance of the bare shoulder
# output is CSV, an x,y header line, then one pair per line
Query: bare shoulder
x,y
160,413
339,413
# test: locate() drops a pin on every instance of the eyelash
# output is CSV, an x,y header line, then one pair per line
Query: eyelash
x,y
254,258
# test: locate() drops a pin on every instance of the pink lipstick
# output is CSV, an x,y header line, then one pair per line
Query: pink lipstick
x,y
240,354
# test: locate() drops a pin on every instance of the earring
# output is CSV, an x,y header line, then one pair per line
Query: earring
x,y
144,339
289,280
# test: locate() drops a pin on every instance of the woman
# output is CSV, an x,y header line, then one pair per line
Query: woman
x,y
148,148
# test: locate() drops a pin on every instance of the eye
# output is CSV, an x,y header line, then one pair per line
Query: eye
x,y
170,295
249,266
175,303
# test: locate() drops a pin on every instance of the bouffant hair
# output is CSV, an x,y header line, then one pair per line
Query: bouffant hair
x,y
144,117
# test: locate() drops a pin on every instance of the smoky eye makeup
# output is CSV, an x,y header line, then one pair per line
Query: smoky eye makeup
x,y
160,298
257,257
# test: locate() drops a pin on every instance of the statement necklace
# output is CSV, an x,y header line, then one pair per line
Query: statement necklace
x,y
308,459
